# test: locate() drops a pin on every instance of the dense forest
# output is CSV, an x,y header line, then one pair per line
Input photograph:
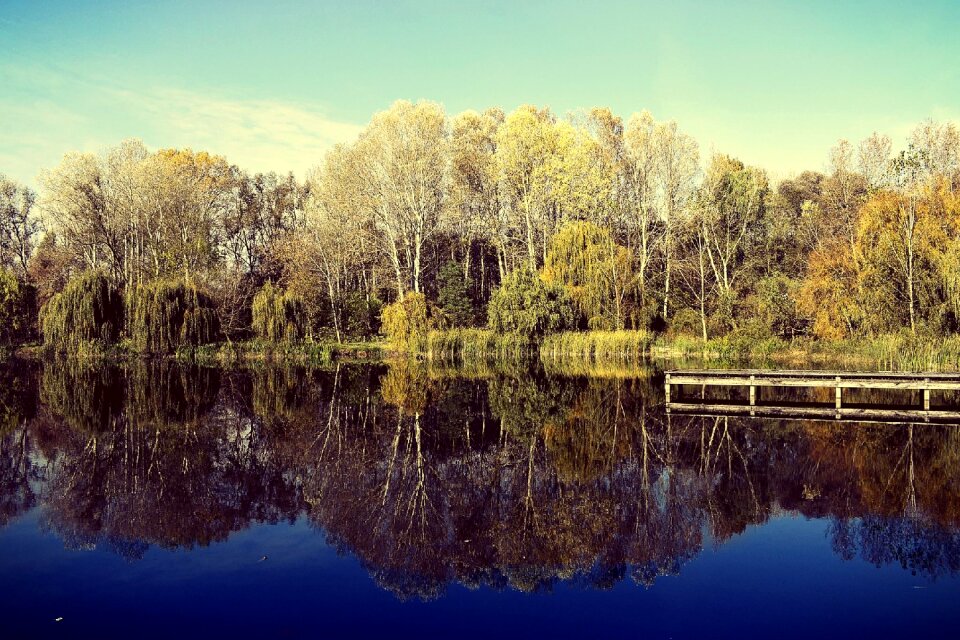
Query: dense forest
x,y
524,223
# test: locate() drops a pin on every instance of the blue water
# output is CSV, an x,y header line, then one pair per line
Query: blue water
x,y
777,579
288,504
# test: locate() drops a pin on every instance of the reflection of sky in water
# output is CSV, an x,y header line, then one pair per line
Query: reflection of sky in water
x,y
731,552
779,578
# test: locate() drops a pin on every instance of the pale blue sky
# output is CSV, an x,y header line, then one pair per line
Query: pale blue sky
x,y
272,85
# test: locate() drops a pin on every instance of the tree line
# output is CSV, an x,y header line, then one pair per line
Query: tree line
x,y
525,222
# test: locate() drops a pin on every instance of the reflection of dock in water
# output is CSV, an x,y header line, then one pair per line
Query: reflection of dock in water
x,y
754,380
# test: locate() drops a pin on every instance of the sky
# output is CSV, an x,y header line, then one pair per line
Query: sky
x,y
273,85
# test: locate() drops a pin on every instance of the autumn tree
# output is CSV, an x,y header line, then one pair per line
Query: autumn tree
x,y
898,240
401,165
829,292
550,171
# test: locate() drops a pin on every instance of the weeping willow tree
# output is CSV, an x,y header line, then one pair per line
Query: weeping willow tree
x,y
279,316
87,313
166,316
595,270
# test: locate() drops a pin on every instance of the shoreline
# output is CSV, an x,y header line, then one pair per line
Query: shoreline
x,y
575,350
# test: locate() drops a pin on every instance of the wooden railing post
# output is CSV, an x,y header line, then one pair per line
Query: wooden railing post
x,y
666,388
753,391
839,393
926,395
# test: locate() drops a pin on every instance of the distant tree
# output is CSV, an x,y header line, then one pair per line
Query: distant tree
x,y
401,168
50,267
646,225
475,216
873,157
677,166
731,209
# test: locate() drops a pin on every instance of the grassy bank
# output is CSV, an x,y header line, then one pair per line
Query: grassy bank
x,y
227,353
622,350
611,352
469,345
895,352
609,346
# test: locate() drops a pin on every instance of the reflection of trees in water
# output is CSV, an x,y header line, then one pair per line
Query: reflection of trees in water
x,y
429,479
532,485
18,468
916,544
168,463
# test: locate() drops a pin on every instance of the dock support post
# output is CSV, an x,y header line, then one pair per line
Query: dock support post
x,y
926,395
667,388
839,393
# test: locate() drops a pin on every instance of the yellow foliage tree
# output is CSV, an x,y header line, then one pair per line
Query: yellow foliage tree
x,y
828,294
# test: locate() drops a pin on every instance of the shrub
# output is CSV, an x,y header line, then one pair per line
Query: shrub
x,y
165,316
279,316
17,309
526,305
88,313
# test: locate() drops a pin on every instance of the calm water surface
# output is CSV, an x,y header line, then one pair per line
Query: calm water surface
x,y
400,501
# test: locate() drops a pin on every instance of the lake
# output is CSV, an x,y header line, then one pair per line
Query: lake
x,y
150,499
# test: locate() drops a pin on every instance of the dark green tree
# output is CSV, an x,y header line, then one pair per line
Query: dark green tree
x,y
454,299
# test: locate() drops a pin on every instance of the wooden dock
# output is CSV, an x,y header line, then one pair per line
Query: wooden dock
x,y
874,415
755,379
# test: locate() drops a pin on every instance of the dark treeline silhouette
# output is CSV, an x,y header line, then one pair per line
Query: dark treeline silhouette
x,y
430,477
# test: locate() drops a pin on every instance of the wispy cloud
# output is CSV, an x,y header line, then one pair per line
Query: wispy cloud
x,y
259,135
46,112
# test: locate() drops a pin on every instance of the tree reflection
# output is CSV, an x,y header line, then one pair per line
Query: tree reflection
x,y
497,479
